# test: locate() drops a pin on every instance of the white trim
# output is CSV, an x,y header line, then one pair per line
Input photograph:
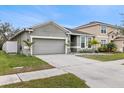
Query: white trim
x,y
85,42
75,47
31,47
66,48
46,37
80,41
103,36
79,34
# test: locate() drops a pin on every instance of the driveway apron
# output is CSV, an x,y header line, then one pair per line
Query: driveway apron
x,y
96,74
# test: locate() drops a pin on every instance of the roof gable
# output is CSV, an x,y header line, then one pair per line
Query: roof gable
x,y
53,23
38,26
93,23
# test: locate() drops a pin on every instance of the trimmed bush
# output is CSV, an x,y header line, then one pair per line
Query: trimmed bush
x,y
86,51
110,47
103,49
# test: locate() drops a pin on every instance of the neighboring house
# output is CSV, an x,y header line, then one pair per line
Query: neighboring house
x,y
104,33
51,38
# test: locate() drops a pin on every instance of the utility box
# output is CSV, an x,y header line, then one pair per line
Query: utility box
x,y
10,47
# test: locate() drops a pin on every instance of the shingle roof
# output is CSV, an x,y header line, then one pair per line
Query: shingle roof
x,y
119,38
97,22
77,32
19,32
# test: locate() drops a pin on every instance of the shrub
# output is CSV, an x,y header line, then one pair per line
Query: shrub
x,y
86,51
103,49
114,49
110,47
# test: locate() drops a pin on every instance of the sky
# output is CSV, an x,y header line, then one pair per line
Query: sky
x,y
65,15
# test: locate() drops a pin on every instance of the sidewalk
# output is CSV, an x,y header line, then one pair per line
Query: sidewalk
x,y
20,77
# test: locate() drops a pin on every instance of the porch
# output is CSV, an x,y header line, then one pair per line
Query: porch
x,y
79,42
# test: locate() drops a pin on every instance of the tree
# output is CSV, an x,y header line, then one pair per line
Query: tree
x,y
6,31
29,45
93,43
111,47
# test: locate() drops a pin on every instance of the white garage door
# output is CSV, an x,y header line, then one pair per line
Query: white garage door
x,y
48,46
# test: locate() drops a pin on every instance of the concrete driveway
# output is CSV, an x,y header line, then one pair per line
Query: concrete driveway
x,y
95,73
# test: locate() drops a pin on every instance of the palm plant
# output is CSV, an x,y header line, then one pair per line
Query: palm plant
x,y
93,43
29,44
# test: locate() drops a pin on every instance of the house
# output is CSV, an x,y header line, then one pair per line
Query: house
x,y
51,38
104,33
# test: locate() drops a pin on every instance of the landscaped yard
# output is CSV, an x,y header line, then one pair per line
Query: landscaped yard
x,y
11,64
115,56
62,81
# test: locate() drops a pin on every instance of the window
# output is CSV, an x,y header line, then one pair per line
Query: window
x,y
89,45
112,36
82,42
103,29
103,42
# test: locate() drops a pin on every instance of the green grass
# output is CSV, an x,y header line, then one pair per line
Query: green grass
x,y
116,56
29,63
62,81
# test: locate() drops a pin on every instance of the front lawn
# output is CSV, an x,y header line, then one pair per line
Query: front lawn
x,y
62,81
11,64
116,56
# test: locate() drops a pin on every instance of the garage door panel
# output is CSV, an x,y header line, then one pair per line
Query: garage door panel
x,y
48,46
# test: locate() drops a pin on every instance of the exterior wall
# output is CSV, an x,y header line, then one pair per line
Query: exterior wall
x,y
96,30
120,45
10,47
21,44
114,34
48,30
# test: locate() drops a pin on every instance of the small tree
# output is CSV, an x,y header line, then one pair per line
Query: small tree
x,y
6,30
93,43
111,47
29,44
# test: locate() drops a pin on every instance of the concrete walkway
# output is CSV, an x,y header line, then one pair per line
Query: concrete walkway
x,y
96,74
15,78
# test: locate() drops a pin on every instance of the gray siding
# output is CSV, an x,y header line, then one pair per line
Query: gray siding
x,y
49,30
19,39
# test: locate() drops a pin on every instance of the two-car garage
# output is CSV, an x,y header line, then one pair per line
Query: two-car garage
x,y
44,45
